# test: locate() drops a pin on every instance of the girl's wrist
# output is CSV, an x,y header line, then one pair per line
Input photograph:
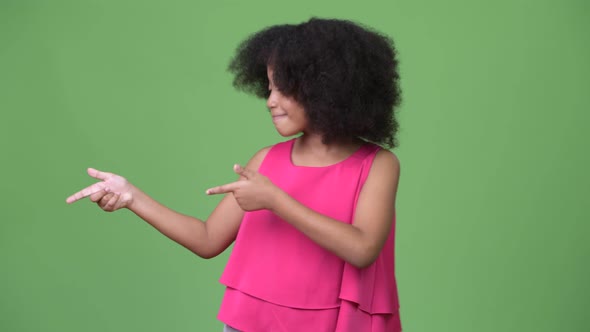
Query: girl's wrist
x,y
275,196
135,194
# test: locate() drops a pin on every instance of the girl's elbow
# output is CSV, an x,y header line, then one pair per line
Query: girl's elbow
x,y
204,253
367,256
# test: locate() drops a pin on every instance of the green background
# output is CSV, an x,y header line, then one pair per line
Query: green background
x,y
492,205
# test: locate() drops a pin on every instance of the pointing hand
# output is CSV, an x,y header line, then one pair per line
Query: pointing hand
x,y
253,191
112,193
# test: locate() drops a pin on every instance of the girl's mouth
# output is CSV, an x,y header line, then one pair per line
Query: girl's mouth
x,y
278,117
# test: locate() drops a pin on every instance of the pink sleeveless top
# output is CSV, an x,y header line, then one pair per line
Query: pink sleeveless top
x,y
279,280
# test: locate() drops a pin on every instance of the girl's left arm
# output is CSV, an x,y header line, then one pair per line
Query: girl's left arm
x,y
358,243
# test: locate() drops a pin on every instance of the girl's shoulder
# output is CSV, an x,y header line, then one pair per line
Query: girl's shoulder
x,y
282,148
385,163
381,155
387,156
258,158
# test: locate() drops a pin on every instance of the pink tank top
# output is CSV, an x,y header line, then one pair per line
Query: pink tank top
x,y
272,263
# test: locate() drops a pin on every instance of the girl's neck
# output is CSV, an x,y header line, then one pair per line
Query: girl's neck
x,y
309,150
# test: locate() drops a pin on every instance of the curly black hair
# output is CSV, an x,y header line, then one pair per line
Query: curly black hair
x,y
343,74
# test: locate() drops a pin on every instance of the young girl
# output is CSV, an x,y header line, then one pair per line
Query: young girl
x,y
312,217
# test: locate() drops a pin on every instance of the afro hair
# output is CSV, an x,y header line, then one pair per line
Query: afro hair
x,y
343,74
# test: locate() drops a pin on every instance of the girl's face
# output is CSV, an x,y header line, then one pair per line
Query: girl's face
x,y
287,114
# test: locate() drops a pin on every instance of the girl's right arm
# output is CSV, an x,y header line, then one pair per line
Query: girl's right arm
x,y
206,239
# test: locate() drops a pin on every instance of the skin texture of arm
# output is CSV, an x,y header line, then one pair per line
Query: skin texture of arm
x,y
358,243
206,239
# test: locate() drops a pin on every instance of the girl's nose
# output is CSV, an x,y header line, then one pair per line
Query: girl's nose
x,y
271,102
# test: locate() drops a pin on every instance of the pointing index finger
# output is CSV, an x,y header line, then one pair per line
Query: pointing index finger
x,y
86,192
226,188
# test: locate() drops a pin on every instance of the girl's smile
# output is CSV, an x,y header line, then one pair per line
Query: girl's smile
x,y
278,117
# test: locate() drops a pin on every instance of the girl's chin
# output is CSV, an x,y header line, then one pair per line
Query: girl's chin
x,y
286,133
